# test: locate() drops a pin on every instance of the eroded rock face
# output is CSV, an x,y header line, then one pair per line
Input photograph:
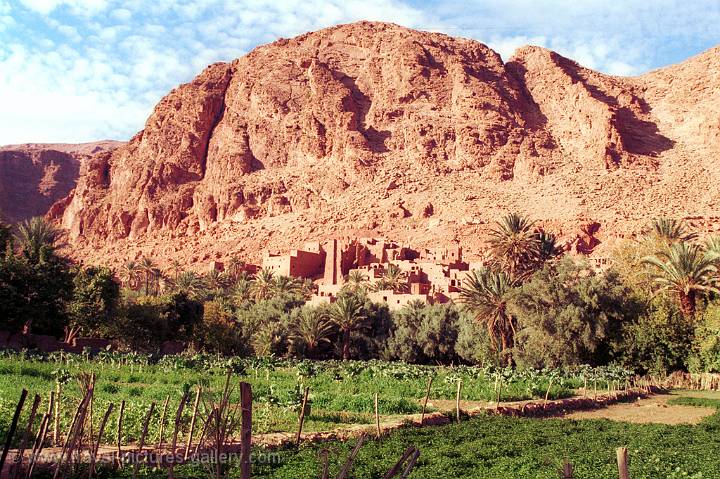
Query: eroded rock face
x,y
34,176
314,136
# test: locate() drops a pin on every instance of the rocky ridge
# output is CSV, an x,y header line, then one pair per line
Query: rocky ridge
x,y
375,129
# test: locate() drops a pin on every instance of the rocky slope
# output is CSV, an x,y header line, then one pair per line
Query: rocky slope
x,y
36,175
375,129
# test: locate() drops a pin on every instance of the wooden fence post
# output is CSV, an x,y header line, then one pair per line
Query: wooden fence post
x,y
427,398
13,426
622,461
136,464
377,417
56,421
93,456
192,422
26,437
176,430
246,434
567,470
301,420
457,400
162,422
119,432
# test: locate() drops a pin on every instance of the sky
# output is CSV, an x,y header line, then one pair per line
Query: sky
x,y
84,70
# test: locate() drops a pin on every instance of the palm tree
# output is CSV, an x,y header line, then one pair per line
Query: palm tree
x,y
686,271
514,245
547,248
355,281
310,329
149,270
394,279
190,283
285,285
670,231
486,293
263,284
235,267
347,315
129,275
217,281
177,268
36,238
242,290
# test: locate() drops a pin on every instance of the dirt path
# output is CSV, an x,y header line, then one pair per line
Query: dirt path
x,y
651,410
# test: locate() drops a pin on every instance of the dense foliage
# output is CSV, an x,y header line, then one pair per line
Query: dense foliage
x,y
654,310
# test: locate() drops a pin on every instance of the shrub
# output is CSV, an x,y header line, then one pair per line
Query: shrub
x,y
424,334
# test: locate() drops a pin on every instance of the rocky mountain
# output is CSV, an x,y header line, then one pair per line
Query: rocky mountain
x,y
376,129
34,176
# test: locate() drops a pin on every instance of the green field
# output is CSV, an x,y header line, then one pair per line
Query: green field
x,y
340,392
512,448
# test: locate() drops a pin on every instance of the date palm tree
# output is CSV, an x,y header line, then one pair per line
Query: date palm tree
x,y
36,237
190,283
486,294
286,285
176,267
130,275
347,314
394,279
355,281
686,271
669,231
310,329
263,284
514,245
149,270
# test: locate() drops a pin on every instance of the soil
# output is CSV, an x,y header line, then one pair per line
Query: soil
x,y
652,410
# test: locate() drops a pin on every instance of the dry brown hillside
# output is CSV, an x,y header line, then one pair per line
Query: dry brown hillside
x,y
376,129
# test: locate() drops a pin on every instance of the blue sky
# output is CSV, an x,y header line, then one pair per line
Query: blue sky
x,y
81,70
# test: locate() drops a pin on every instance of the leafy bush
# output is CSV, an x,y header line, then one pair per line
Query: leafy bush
x,y
424,334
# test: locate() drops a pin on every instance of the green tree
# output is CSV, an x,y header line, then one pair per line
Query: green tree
x,y
669,231
263,284
130,275
514,245
285,285
190,284
659,342
685,271
486,293
149,271
424,333
568,315
218,332
347,314
356,282
310,329
36,238
94,298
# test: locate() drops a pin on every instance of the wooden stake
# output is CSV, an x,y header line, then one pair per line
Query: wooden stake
x,y
427,398
162,422
178,418
192,422
13,426
348,464
302,416
398,465
325,463
547,393
567,471
136,466
499,394
246,434
457,400
411,464
56,422
39,440
377,417
93,456
585,386
119,432
622,461
26,437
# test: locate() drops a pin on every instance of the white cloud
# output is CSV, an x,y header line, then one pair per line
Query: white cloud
x,y
103,64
